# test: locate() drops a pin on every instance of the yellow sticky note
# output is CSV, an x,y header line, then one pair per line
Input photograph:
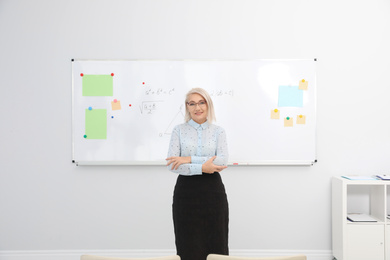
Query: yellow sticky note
x,y
116,105
303,84
275,114
301,119
288,122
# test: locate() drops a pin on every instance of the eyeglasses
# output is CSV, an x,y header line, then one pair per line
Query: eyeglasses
x,y
201,104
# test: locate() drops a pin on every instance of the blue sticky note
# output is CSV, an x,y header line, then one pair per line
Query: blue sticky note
x,y
290,96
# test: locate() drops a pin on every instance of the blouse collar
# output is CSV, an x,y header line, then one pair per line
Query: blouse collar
x,y
196,125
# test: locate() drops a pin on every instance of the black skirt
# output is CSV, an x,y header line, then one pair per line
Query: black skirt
x,y
200,216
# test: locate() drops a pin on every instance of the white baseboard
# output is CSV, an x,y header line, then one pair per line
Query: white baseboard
x,y
75,254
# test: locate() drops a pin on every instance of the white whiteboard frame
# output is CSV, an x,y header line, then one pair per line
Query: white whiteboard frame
x,y
264,163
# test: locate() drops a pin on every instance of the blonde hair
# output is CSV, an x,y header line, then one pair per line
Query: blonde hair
x,y
210,107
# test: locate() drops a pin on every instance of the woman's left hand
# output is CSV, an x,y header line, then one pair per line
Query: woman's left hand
x,y
176,161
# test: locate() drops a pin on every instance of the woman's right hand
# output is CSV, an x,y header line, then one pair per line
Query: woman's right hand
x,y
210,167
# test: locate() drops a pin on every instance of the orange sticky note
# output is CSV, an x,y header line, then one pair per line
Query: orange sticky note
x,y
288,122
303,84
116,105
275,114
301,119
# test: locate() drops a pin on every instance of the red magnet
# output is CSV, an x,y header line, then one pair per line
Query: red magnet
x,y
112,74
81,74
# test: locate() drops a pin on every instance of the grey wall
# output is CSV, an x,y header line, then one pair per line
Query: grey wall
x,y
48,203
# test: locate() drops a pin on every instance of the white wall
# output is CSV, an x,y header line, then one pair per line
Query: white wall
x,y
48,203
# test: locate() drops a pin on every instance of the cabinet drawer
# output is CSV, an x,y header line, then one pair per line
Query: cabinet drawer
x,y
365,242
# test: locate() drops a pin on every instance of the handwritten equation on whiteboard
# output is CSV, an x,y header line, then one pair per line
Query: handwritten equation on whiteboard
x,y
221,92
213,92
148,107
159,91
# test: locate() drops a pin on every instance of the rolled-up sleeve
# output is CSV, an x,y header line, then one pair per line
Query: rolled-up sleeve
x,y
175,150
222,152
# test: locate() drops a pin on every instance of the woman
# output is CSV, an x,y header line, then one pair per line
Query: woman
x,y
198,152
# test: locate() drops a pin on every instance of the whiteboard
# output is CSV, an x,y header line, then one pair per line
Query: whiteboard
x,y
129,120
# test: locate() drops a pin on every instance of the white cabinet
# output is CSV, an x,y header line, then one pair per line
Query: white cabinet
x,y
360,240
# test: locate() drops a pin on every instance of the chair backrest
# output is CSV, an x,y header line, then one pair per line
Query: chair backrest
x,y
224,257
95,257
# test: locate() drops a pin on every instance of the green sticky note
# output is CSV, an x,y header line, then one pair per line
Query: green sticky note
x,y
98,85
96,124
